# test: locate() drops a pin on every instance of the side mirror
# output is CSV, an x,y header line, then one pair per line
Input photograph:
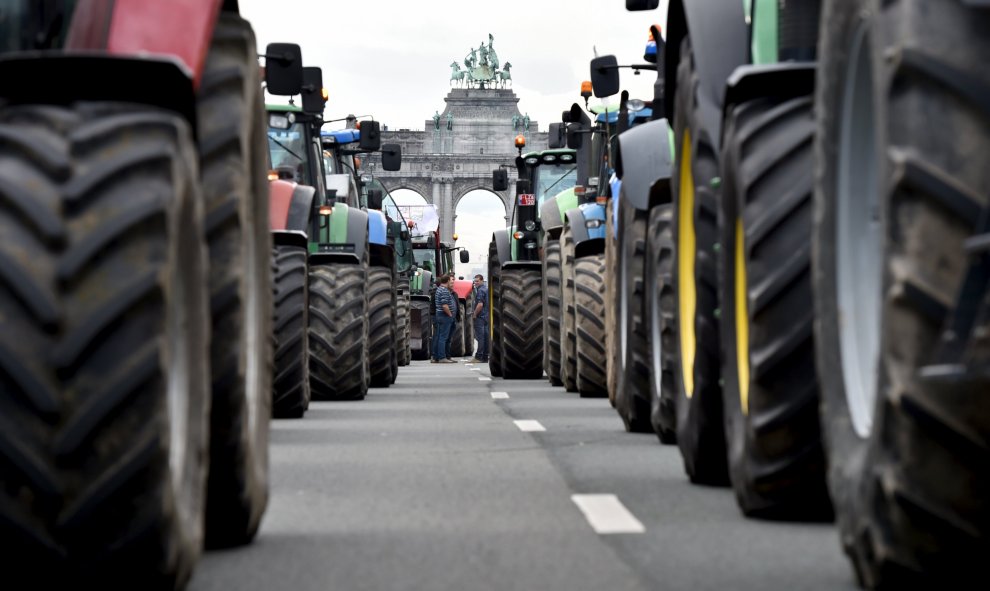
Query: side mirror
x,y
283,69
637,5
557,137
371,137
375,199
312,91
391,155
500,180
574,136
465,257
605,76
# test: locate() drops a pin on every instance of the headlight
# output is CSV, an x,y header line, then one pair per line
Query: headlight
x,y
279,121
566,157
592,223
529,245
532,160
530,225
549,158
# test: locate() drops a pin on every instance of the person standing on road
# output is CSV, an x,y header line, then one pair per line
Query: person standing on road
x,y
480,315
446,309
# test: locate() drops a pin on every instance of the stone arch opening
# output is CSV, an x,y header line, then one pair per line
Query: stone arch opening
x,y
477,215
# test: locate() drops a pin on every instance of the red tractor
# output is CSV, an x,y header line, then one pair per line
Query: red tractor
x,y
135,287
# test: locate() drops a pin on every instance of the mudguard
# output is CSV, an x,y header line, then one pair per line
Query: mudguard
x,y
705,20
502,245
643,157
786,80
290,206
587,224
348,236
377,227
150,81
553,211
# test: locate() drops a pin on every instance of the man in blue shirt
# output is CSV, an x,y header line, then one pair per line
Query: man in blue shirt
x,y
446,311
480,315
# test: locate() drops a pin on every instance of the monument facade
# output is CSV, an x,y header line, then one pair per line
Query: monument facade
x,y
459,147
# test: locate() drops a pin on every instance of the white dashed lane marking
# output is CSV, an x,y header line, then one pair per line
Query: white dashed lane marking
x,y
529,426
607,515
500,395
484,379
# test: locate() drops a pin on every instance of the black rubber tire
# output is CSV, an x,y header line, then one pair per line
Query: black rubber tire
x,y
911,496
632,395
700,432
589,311
495,366
457,343
468,328
381,340
426,329
522,323
568,337
660,304
290,390
612,292
776,459
233,160
402,321
551,307
338,331
103,317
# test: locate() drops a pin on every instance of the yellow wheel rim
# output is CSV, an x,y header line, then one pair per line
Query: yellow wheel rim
x,y
686,292
742,321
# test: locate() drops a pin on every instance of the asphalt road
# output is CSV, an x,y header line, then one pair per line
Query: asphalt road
x,y
432,485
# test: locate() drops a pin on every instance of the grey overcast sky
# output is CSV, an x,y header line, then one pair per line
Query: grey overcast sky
x,y
390,58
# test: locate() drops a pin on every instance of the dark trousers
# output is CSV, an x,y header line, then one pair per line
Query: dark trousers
x,y
440,348
481,335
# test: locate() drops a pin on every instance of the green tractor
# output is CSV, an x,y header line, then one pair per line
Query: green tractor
x,y
339,252
433,259
830,222
517,282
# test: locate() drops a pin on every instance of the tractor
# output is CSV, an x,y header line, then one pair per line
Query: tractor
x,y
517,282
830,273
341,242
135,291
433,259
342,168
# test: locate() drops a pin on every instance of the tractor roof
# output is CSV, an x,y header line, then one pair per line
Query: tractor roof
x,y
343,136
283,108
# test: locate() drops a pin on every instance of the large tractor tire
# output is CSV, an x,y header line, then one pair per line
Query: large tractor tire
x,y
381,339
104,362
700,432
338,331
632,396
425,350
468,327
457,343
551,312
589,310
495,307
402,321
660,304
568,336
290,391
612,292
776,460
233,160
521,323
898,181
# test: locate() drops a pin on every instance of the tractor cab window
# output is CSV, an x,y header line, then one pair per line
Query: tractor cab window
x,y
426,259
289,153
551,179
